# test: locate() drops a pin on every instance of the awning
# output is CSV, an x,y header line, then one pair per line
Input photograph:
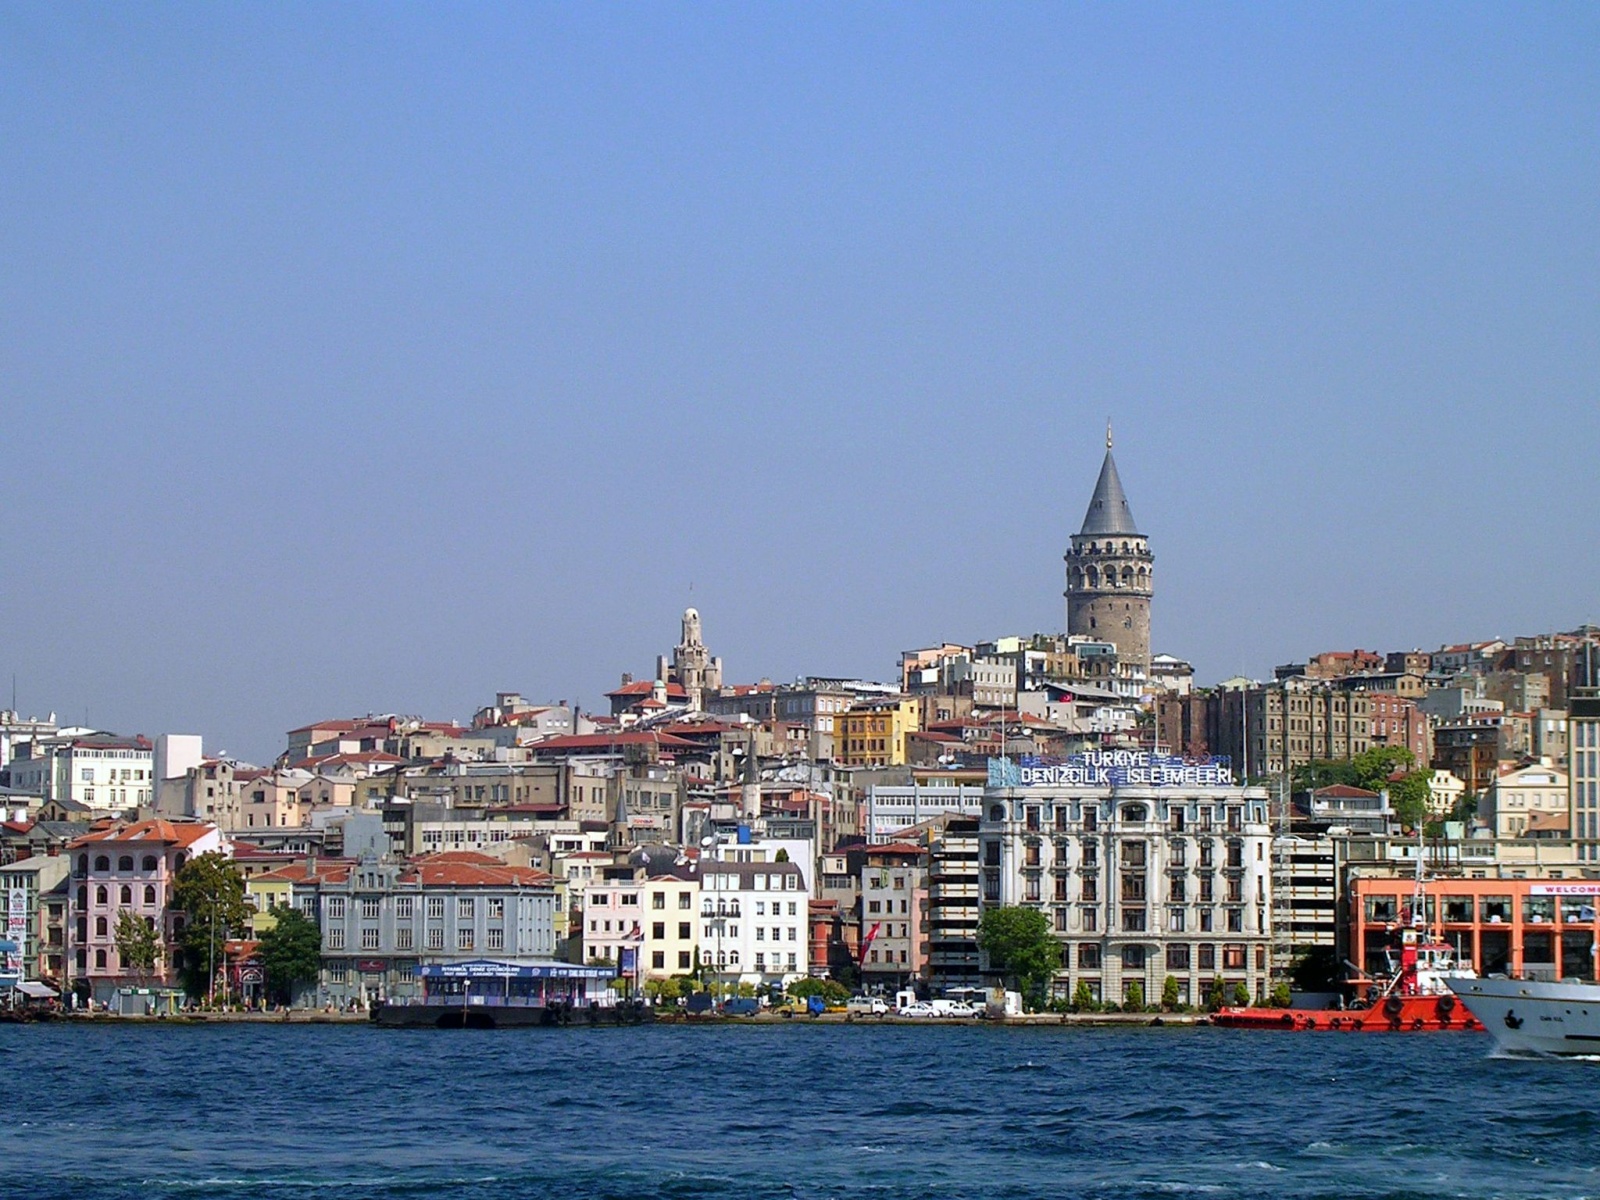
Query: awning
x,y
39,991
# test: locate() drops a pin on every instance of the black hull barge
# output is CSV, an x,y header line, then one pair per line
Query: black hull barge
x,y
507,1016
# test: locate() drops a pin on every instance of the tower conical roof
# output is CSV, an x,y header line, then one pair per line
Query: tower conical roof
x,y
1108,507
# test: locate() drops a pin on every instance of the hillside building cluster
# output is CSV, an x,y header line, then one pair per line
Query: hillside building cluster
x,y
759,833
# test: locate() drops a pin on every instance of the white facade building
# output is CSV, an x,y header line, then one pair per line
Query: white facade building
x,y
1146,866
754,922
891,809
1519,801
102,771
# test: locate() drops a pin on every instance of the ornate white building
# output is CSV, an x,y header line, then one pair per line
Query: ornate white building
x,y
1147,867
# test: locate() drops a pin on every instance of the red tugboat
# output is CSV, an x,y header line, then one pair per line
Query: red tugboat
x,y
1414,999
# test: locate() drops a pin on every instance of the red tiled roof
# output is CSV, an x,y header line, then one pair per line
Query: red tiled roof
x,y
172,833
1343,791
897,848
643,687
469,869
333,870
333,726
358,756
604,741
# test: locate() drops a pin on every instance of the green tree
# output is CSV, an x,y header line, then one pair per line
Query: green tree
x,y
1409,795
1241,995
1169,992
831,990
138,946
1373,767
1279,997
663,991
1019,945
1133,1001
1082,997
781,856
209,892
1216,996
291,952
1370,769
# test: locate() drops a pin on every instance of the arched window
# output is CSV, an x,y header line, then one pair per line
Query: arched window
x,y
125,863
997,812
149,862
149,893
100,894
1093,575
100,960
126,896
1133,812
83,864
179,859
102,863
83,960
83,896
1124,547
733,958
100,929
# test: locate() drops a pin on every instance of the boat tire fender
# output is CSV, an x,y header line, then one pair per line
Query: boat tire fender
x,y
1447,1005
1336,1023
1287,1019
1392,1006
1417,1023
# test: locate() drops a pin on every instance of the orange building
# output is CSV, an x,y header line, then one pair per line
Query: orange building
x,y
1535,928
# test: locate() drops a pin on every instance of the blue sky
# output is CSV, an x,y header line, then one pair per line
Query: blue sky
x,y
380,357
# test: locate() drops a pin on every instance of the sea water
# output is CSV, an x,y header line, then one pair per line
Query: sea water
x,y
797,1110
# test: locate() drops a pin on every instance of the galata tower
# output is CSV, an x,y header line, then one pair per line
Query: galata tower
x,y
1110,572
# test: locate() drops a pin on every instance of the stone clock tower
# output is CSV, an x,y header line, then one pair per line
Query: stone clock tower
x,y
1110,572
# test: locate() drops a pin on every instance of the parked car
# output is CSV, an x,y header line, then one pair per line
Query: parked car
x,y
866,1006
918,1008
741,1006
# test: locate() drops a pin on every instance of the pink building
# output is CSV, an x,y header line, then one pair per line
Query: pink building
x,y
127,867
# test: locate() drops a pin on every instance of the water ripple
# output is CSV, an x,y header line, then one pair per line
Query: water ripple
x,y
807,1112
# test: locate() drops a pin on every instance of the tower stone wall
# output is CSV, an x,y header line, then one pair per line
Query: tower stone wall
x,y
1111,572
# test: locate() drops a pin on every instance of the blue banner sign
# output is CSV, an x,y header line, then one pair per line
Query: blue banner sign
x,y
480,968
1110,768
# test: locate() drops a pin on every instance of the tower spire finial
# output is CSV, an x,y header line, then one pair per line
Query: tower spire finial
x,y
1108,433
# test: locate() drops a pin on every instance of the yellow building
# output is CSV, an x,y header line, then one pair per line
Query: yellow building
x,y
264,893
874,733
670,919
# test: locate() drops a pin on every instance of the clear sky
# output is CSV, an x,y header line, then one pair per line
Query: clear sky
x,y
374,358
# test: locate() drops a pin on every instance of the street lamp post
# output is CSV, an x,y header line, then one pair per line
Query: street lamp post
x,y
211,982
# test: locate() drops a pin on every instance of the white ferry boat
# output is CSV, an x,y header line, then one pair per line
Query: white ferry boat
x,y
1527,1016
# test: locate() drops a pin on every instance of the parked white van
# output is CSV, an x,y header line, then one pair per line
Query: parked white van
x,y
866,1006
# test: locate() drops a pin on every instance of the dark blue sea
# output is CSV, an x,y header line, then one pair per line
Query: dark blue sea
x,y
792,1111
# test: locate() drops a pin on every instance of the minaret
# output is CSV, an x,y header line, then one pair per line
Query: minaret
x,y
1110,572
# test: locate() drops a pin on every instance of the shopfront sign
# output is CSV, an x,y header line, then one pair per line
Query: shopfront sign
x,y
1588,888
1110,768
